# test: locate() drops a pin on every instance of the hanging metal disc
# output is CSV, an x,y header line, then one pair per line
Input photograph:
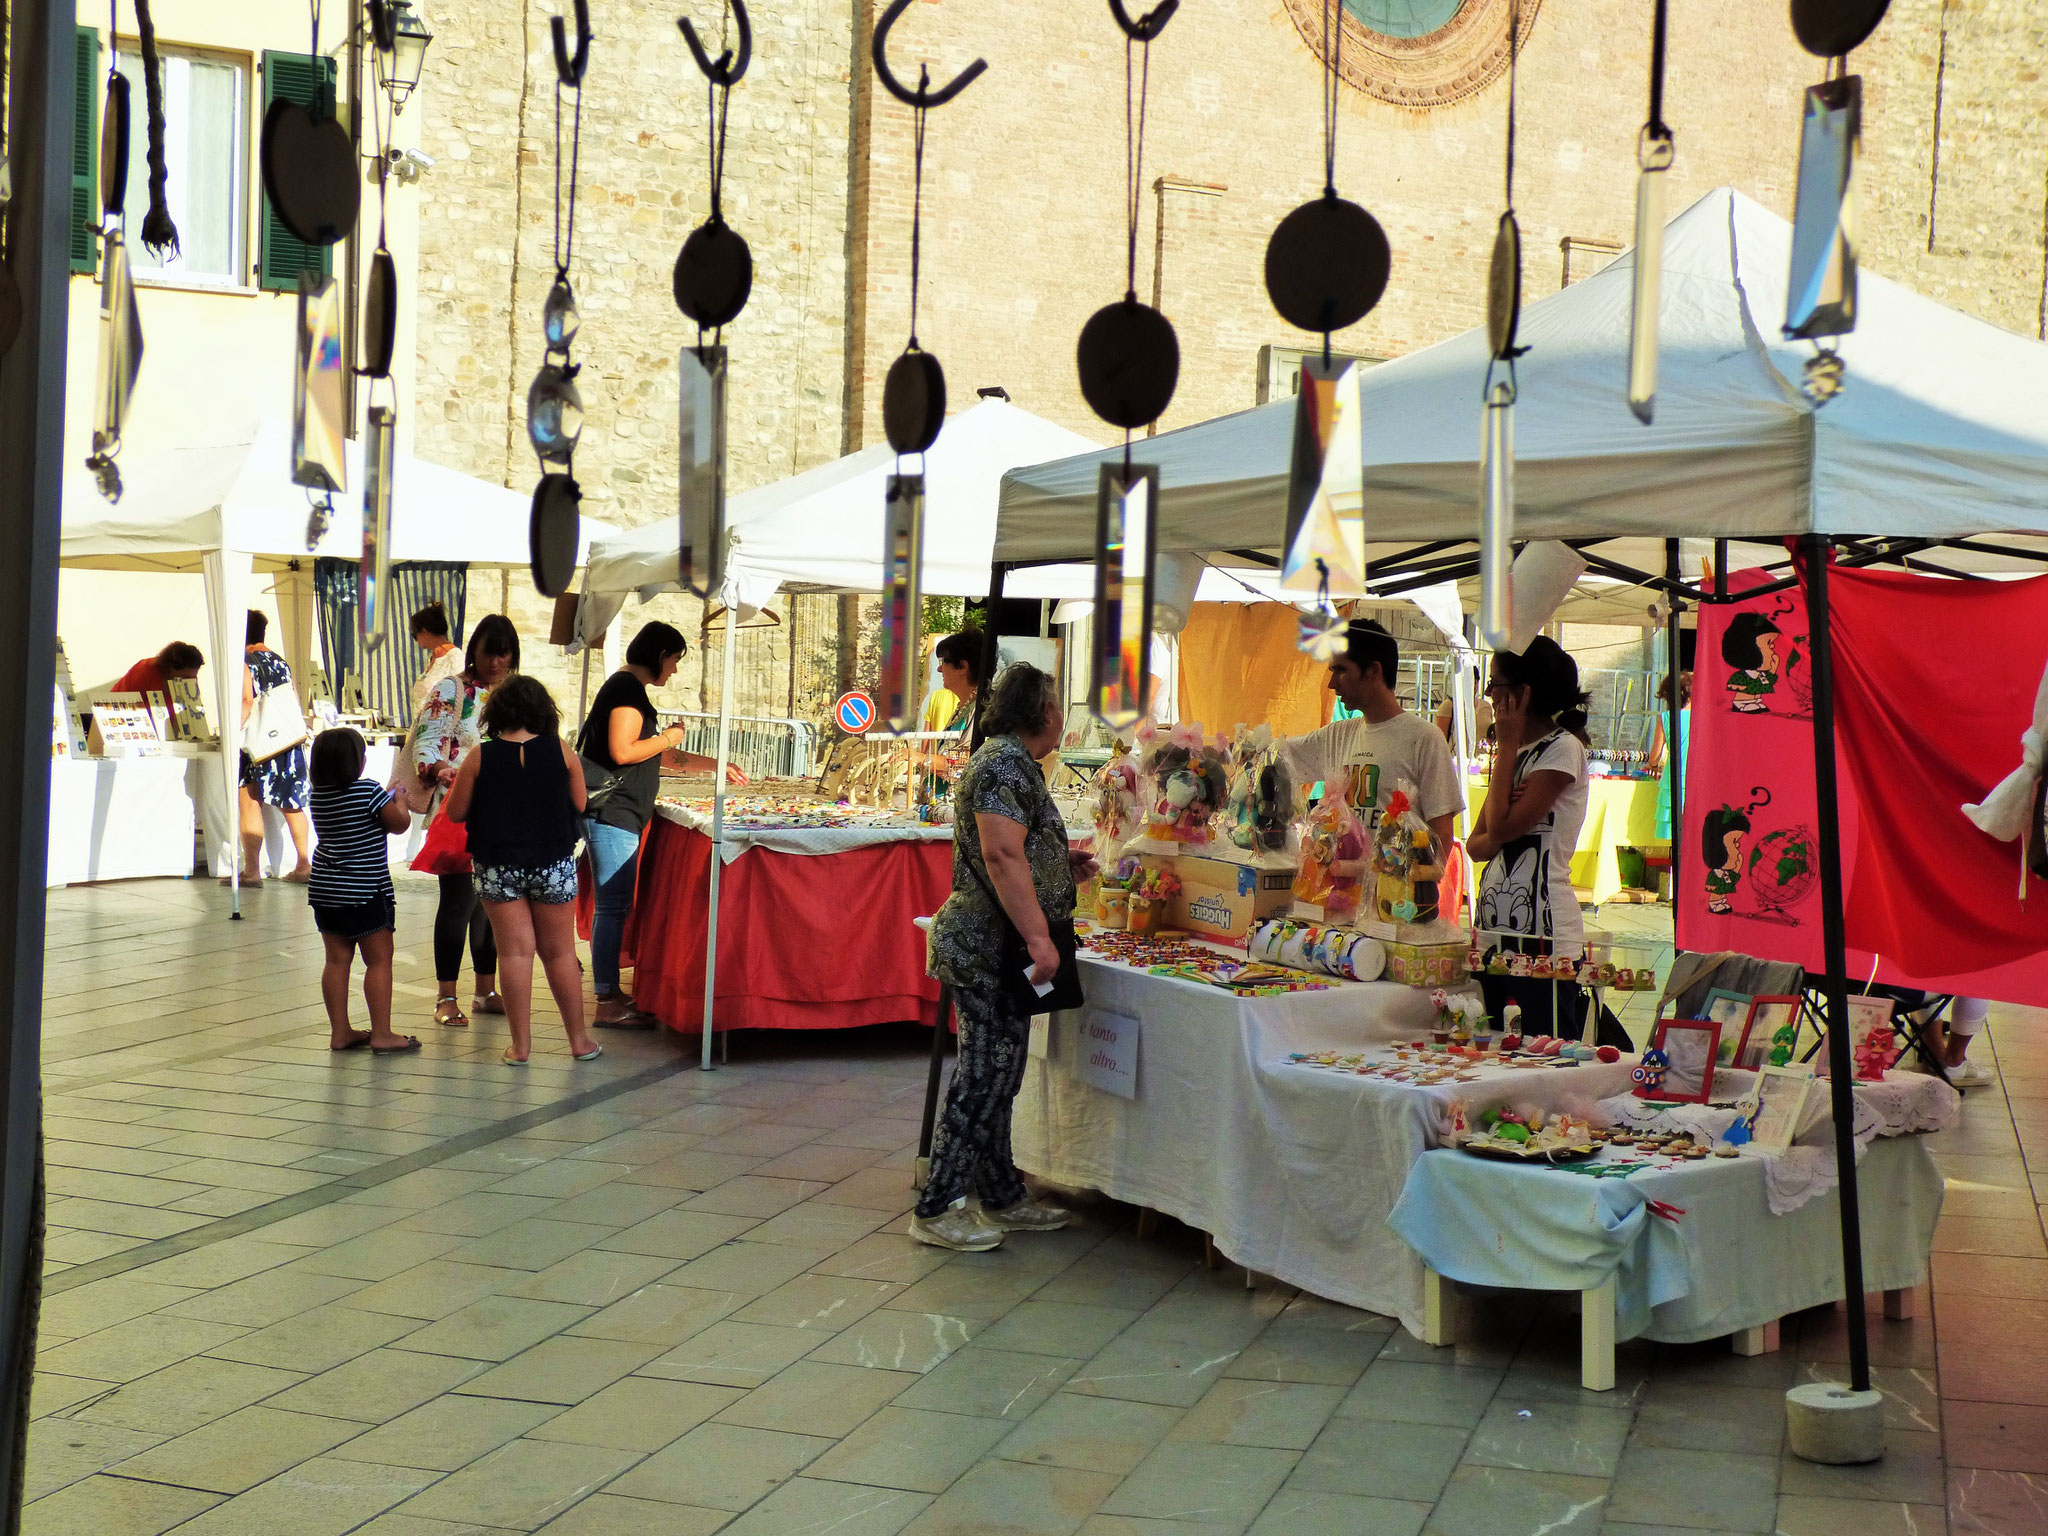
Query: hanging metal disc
x,y
380,316
1327,264
114,146
309,173
1504,287
714,274
552,533
914,402
1129,360
1830,28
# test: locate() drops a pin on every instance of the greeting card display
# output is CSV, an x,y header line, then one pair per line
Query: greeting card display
x,y
1682,1071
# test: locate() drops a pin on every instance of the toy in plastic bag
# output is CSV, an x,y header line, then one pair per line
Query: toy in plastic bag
x,y
1186,782
1333,857
1261,793
1407,863
1117,807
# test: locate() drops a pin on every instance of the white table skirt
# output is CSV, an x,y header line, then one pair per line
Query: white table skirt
x,y
1293,1171
122,818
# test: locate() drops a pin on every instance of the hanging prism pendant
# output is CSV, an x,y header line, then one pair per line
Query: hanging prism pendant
x,y
373,572
701,486
902,668
120,363
1497,519
317,395
1649,282
1326,484
1126,522
1820,293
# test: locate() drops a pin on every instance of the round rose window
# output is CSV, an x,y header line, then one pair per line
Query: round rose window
x,y
1403,18
1417,53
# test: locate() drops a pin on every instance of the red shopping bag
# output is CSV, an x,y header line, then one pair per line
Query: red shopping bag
x,y
445,849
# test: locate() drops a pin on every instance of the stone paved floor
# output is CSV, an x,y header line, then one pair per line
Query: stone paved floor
x,y
436,1296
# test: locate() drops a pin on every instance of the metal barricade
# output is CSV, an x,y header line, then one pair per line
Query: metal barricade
x,y
762,746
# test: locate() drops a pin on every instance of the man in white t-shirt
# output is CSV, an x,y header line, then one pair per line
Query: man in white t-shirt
x,y
1384,746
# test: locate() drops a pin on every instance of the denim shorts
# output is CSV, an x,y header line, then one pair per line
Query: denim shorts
x,y
356,923
549,885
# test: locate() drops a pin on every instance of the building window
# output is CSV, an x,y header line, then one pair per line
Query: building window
x,y
1584,255
1280,369
1404,18
206,155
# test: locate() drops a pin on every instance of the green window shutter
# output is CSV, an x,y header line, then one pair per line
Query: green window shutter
x,y
85,157
282,255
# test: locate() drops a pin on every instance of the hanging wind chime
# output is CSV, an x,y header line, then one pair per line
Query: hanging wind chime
x,y
1497,434
311,180
379,330
913,411
1654,150
1326,267
714,275
554,406
120,352
1820,292
1129,362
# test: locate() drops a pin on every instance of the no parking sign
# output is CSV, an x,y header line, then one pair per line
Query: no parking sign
x,y
855,712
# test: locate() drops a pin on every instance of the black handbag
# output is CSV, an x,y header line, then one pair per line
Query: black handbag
x,y
1013,968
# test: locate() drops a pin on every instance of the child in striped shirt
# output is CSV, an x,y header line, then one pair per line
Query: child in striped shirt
x,y
354,906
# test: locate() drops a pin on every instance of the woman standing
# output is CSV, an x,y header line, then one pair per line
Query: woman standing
x,y
445,734
620,736
951,705
519,794
278,781
1660,757
1012,868
444,660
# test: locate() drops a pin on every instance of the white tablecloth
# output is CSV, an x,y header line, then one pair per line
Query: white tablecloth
x,y
121,818
1715,1262
805,840
1292,1170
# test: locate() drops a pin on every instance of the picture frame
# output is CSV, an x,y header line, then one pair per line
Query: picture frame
x,y
1777,1106
1731,1011
1868,1017
1768,1018
1690,1047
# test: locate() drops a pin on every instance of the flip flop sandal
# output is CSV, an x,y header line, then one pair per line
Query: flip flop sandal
x,y
412,1043
356,1043
512,1061
448,1013
590,1055
488,1002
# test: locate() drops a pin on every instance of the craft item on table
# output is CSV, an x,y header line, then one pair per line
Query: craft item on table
x,y
1650,1073
1525,1136
1333,846
1407,862
1185,783
1309,947
1146,949
1426,965
1261,793
1685,1048
1151,891
1247,979
1113,907
1118,810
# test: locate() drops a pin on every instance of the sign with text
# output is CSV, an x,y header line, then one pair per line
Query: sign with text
x,y
1106,1052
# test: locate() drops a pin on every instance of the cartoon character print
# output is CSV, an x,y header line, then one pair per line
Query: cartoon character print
x,y
1760,656
1723,831
1514,895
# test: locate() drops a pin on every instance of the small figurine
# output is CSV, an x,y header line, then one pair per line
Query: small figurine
x,y
1650,1072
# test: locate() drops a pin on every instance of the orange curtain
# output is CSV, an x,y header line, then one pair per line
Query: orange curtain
x,y
1239,662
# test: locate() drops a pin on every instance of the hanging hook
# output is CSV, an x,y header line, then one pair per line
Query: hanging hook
x,y
923,98
570,67
1148,26
728,68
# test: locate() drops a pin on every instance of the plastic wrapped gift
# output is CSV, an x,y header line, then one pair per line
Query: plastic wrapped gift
x,y
1184,782
1330,877
1118,811
1262,794
1407,863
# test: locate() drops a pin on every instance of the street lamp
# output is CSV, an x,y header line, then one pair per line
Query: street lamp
x,y
401,37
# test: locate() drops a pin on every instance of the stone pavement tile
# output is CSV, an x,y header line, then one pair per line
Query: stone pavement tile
x,y
1151,1370
1991,1375
885,1256
695,1170
876,1135
1550,1371
1382,1459
330,1227
676,1235
753,1195
895,1340
991,1383
447,1433
562,1178
1485,1501
659,1314
617,1205
1057,1328
495,1327
477,1214
763,1139
805,1505
1687,1417
60,1153
638,1413
965,1288
423,1188
65,1246
909,1448
1974,1274
1315,1353
1714,1364
266,1298
815,1222
817,1160
1910,1398
188,1394
103,1303
810,1397
522,1485
1296,1512
1982,1234
379,1255
322,1497
1714,1490
822,1304
235,1149
114,1506
1010,1498
221,1263
1210,1484
1996,1437
53,1393
561,1370
730,1354
222,1202
318,1339
1278,1415
1910,1473
1122,1273
377,1386
121,1188
1541,1437
721,1466
880,1189
1982,1503
432,1290
235,1453
532,1244
635,1148
749,1268
1472,1351
596,1277
1095,1434
249,1176
62,1451
1800,1516
137,1347
114,1219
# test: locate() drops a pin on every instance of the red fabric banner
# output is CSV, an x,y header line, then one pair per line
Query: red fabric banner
x,y
1934,682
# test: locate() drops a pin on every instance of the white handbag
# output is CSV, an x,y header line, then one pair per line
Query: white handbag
x,y
276,723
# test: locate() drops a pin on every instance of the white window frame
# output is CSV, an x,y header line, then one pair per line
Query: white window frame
x,y
178,273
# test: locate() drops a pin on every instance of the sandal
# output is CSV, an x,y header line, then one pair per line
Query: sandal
x,y
592,1054
488,1002
449,1014
409,1043
619,1013
510,1060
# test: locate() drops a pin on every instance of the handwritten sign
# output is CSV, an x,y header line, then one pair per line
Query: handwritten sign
x,y
1106,1052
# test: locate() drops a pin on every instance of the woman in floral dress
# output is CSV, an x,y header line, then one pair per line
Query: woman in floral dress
x,y
278,781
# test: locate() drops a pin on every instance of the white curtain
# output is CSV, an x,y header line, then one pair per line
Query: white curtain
x,y
203,157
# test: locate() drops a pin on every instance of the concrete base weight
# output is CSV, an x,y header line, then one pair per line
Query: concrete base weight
x,y
1833,1424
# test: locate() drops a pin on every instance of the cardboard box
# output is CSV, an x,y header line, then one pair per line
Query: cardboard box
x,y
1221,899
1426,965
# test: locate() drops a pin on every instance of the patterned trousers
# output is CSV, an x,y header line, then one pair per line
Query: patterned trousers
x,y
971,1144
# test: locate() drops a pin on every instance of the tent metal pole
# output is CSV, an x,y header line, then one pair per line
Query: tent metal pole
x,y
1841,1078
39,63
997,574
1720,569
718,828
1674,758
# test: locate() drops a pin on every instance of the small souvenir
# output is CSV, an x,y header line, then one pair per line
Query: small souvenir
x,y
1607,1053
1649,1072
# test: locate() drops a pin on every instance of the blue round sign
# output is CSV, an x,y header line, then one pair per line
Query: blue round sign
x,y
855,712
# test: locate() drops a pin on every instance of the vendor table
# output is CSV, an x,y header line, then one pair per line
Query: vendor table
x,y
1618,812
119,818
1292,1170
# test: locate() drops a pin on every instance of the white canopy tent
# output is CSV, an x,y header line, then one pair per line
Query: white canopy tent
x,y
227,509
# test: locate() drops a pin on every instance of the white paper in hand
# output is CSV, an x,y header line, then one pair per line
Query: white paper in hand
x,y
1040,987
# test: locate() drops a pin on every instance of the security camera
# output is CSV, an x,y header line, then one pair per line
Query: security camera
x,y
403,165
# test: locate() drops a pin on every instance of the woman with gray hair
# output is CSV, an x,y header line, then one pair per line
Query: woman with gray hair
x,y
1013,874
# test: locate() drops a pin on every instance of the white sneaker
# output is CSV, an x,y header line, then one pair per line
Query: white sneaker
x,y
1028,1215
1972,1074
959,1228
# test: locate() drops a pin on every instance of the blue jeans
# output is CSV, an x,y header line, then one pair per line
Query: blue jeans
x,y
614,867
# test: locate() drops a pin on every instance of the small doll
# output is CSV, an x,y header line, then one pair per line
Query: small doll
x,y
1117,813
1188,783
1650,1072
1333,846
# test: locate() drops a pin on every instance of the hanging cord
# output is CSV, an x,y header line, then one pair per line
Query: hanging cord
x,y
918,117
1137,86
1333,52
159,233
565,248
1514,49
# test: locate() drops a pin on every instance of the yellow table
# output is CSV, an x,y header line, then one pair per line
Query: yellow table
x,y
1618,812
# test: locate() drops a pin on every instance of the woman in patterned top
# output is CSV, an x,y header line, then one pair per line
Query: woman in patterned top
x,y
1007,838
447,732
278,781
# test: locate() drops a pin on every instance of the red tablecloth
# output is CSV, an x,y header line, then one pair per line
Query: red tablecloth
x,y
804,941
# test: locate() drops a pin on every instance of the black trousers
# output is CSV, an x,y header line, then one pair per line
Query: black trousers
x,y
971,1145
462,915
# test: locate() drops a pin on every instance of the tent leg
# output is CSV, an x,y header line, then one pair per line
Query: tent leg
x,y
1841,1072
718,827
1674,647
